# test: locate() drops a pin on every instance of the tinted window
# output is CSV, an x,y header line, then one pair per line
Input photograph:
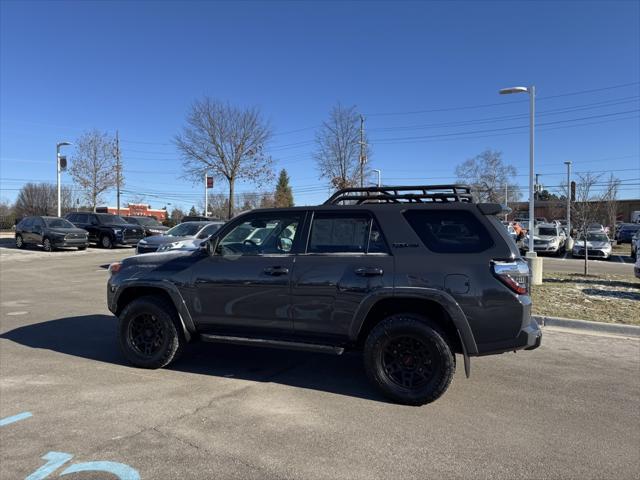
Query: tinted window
x,y
332,234
260,235
376,240
449,231
187,229
547,231
80,218
26,222
58,223
108,219
208,230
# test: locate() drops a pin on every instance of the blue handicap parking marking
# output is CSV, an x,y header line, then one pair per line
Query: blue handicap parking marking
x,y
120,470
15,418
54,461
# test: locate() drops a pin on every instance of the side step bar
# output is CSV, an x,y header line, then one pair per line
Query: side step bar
x,y
261,342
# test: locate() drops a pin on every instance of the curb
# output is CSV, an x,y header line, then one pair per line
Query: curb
x,y
612,328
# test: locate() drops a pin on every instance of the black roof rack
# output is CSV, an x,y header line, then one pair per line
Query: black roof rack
x,y
402,194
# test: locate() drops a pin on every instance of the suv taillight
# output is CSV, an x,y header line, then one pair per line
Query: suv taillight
x,y
514,274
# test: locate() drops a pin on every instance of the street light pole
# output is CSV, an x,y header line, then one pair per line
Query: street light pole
x,y
531,90
379,172
568,164
58,145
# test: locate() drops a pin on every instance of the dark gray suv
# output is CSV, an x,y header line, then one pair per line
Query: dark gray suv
x,y
410,276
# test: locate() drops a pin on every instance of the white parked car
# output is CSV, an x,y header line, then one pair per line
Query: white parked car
x,y
598,245
547,238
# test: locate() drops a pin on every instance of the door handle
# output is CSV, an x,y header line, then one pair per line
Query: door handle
x,y
369,271
275,271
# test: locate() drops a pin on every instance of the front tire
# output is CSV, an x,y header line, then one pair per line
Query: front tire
x,y
106,242
147,332
410,361
19,242
47,246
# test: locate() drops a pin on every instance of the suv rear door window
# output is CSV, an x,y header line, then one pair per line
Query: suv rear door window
x,y
345,234
449,231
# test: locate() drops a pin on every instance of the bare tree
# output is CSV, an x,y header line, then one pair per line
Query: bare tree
x,y
586,209
488,176
7,215
338,147
41,199
610,199
93,165
228,142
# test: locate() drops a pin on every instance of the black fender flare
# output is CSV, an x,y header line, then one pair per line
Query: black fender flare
x,y
186,322
459,319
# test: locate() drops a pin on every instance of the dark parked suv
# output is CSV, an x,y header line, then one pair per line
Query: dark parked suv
x,y
105,229
50,232
408,275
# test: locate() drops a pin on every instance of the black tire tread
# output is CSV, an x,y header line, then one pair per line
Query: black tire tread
x,y
162,309
413,322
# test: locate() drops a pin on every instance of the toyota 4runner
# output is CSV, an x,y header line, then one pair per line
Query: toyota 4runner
x,y
410,276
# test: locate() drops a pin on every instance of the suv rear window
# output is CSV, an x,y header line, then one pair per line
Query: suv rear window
x,y
449,231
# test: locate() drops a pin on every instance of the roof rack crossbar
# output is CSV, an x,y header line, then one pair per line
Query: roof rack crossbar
x,y
404,194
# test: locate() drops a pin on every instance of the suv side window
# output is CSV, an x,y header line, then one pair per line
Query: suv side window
x,y
262,234
332,233
449,231
26,223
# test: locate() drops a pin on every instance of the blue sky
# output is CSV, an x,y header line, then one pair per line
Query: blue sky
x,y
426,76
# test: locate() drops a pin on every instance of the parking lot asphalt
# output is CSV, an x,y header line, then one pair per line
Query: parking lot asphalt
x,y
570,409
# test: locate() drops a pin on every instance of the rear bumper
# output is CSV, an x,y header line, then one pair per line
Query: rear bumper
x,y
529,338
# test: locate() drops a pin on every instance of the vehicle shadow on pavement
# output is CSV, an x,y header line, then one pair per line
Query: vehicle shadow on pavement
x,y
94,337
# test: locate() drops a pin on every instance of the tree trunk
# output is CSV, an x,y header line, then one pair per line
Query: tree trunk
x,y
231,193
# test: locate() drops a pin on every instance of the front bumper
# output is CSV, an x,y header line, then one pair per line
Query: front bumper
x,y
579,252
126,241
70,242
542,248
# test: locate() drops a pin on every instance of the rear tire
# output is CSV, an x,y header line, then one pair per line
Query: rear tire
x,y
106,242
409,360
148,334
19,241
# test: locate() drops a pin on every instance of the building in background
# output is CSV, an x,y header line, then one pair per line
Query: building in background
x,y
136,210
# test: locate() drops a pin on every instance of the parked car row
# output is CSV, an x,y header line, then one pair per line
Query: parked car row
x,y
80,229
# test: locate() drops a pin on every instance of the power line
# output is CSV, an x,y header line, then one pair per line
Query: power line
x,y
469,107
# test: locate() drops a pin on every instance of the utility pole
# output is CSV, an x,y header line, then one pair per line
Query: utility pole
x,y
363,155
117,152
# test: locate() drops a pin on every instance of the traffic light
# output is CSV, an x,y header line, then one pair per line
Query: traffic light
x,y
209,182
63,163
573,191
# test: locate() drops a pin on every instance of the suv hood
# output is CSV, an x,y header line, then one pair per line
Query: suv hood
x,y
594,245
163,239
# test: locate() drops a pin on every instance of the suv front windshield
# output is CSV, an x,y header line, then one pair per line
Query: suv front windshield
x,y
595,237
187,229
58,223
108,219
548,231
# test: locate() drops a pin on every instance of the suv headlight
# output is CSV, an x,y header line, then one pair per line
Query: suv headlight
x,y
117,231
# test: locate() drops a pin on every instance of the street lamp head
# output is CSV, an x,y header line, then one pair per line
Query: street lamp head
x,y
63,144
507,91
567,162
